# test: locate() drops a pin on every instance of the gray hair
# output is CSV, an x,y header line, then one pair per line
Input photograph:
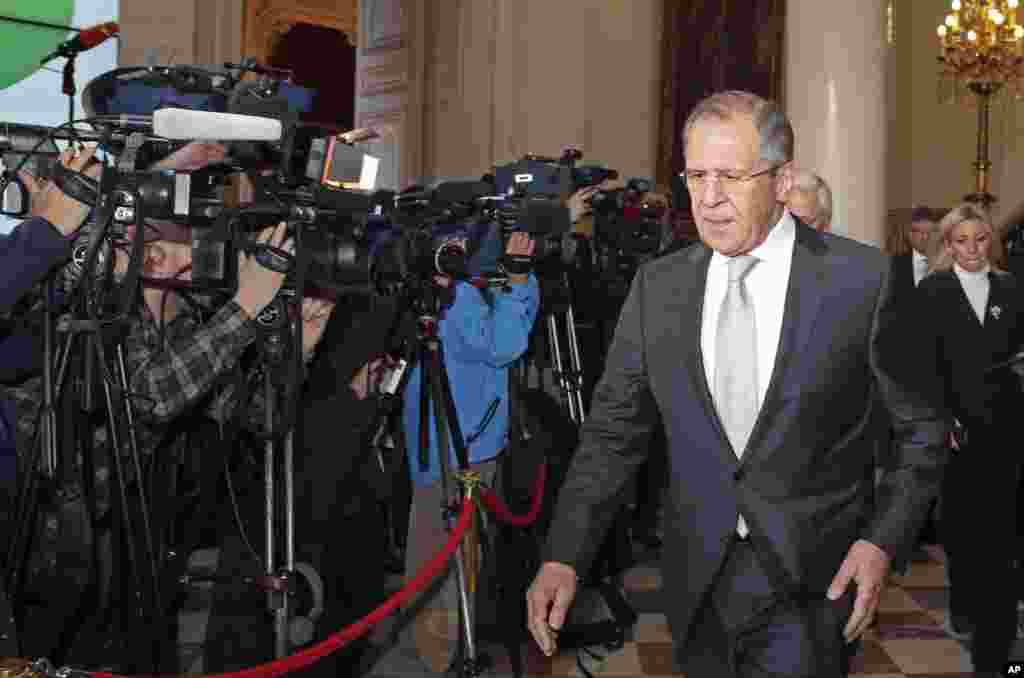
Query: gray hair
x,y
771,122
807,182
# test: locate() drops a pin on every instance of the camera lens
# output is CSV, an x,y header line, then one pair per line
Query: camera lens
x,y
451,260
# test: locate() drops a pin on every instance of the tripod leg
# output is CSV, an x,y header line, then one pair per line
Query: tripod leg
x,y
446,421
563,376
284,636
152,557
575,363
151,554
133,616
276,600
43,447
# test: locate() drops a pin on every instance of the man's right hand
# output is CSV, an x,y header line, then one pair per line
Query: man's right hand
x,y
194,156
49,202
548,601
578,204
257,284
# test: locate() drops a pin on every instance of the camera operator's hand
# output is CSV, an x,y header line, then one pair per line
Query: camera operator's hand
x,y
520,248
367,380
193,156
257,284
49,202
35,187
579,203
315,314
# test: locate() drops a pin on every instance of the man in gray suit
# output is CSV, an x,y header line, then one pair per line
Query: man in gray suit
x,y
759,351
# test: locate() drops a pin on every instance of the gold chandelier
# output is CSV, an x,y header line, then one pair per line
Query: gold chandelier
x,y
982,49
981,41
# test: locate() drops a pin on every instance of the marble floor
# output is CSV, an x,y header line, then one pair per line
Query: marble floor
x,y
907,641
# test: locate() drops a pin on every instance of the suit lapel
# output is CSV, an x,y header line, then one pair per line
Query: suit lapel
x,y
804,297
999,302
904,272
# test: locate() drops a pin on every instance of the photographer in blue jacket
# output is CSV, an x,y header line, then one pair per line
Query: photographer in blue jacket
x,y
483,331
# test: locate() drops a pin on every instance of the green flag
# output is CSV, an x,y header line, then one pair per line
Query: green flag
x,y
22,47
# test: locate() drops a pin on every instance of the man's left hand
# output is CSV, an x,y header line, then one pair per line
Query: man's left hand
x,y
46,200
867,566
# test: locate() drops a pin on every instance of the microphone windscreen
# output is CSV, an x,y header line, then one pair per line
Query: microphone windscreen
x,y
186,125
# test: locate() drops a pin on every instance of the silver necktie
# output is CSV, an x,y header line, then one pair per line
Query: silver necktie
x,y
735,388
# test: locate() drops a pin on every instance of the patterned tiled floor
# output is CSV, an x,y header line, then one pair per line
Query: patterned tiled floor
x,y
907,641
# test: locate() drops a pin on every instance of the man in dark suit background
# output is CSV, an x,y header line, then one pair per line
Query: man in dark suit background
x,y
908,269
759,350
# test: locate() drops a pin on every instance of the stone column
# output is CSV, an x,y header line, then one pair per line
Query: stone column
x,y
836,98
218,36
500,79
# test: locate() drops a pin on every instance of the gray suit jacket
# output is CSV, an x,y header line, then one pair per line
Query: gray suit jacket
x,y
805,484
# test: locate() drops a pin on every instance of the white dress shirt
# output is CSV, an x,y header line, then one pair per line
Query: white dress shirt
x,y
766,284
976,286
920,267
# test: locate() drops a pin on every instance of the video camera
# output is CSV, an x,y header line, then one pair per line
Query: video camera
x,y
309,176
532,195
444,228
627,232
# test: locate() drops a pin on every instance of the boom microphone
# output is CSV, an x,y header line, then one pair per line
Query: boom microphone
x,y
186,125
86,39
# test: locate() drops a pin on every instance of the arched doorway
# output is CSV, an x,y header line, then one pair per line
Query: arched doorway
x,y
324,60
317,43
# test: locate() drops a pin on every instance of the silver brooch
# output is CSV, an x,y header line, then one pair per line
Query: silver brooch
x,y
996,312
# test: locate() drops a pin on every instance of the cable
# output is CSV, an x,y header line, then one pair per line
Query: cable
x,y
242,532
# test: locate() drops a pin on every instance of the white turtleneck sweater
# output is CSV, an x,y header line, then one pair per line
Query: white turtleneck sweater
x,y
976,285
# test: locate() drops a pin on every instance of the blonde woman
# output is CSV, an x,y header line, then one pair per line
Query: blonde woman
x,y
973,314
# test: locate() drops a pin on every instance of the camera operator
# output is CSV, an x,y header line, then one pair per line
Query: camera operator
x,y
37,245
340,483
609,286
28,253
173,357
483,332
176,360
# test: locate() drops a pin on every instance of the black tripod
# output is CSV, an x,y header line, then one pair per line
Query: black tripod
x,y
556,305
422,346
280,582
614,554
124,582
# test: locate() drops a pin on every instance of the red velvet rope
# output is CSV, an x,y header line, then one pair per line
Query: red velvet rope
x,y
498,507
301,660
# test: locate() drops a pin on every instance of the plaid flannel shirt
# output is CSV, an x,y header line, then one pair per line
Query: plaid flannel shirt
x,y
166,381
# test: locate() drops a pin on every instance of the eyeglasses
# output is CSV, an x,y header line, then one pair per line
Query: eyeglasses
x,y
729,180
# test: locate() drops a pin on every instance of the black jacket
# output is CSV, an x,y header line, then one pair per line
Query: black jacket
x,y
960,349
